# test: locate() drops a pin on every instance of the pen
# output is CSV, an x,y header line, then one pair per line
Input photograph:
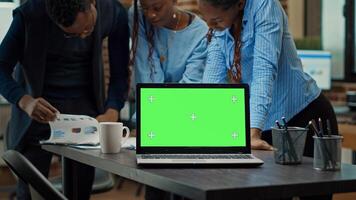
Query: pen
x,y
313,127
278,125
289,140
283,142
321,127
328,126
316,127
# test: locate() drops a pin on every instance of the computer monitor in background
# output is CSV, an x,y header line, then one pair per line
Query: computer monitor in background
x,y
318,65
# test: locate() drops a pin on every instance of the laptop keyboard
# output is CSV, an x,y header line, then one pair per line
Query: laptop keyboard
x,y
195,156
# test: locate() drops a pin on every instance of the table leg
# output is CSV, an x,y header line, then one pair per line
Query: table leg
x,y
67,178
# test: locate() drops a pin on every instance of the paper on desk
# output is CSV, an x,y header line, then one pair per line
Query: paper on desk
x,y
130,143
74,129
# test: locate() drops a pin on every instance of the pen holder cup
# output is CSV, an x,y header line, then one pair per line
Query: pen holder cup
x,y
327,153
289,145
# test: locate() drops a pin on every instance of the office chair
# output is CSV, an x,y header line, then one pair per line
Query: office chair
x,y
30,175
103,182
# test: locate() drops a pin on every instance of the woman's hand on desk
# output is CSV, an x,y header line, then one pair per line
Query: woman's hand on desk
x,y
257,143
111,115
38,109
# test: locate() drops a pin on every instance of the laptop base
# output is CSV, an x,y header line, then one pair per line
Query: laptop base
x,y
252,161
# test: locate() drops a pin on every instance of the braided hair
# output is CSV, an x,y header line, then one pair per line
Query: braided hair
x,y
236,32
64,12
149,31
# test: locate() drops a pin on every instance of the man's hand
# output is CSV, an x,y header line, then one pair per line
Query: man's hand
x,y
111,115
257,143
38,109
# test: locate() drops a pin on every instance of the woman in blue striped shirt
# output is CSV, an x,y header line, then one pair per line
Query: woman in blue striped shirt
x,y
250,43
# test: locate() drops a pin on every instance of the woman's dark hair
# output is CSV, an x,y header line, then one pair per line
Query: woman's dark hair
x,y
64,12
236,32
224,4
149,30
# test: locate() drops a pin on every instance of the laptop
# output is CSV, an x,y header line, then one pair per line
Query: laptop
x,y
193,124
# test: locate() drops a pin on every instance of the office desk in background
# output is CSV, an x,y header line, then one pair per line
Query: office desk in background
x,y
268,181
347,128
349,142
349,133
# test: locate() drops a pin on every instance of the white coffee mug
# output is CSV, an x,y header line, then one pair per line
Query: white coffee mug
x,y
111,136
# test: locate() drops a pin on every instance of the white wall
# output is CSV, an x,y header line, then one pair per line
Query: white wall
x,y
5,21
333,34
5,17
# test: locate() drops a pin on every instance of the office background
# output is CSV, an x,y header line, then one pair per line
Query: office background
x,y
321,25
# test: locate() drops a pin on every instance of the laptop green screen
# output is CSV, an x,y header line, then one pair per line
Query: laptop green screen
x,y
192,117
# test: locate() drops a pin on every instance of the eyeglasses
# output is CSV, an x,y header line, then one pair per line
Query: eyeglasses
x,y
86,32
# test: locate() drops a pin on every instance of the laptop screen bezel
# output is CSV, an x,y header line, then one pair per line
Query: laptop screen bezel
x,y
191,150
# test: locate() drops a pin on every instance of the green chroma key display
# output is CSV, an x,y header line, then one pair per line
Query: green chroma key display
x,y
196,117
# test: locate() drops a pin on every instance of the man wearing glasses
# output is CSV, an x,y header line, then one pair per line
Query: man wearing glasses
x,y
56,45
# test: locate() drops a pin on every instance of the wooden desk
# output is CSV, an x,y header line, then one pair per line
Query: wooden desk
x,y
268,181
349,133
349,142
